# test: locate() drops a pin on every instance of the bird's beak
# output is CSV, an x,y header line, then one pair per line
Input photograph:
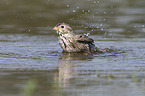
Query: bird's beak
x,y
56,28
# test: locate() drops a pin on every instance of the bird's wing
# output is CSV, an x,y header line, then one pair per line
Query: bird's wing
x,y
83,38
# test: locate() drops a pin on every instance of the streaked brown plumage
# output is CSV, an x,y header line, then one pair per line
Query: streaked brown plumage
x,y
71,42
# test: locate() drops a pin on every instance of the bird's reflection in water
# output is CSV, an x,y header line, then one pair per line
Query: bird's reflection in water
x,y
75,56
69,61
66,64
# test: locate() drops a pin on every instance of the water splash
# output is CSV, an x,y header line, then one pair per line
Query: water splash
x,y
67,5
95,2
74,10
78,7
83,10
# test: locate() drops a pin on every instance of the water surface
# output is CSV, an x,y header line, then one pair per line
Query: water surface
x,y
31,58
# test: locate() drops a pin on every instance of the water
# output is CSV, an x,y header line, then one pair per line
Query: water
x,y
33,64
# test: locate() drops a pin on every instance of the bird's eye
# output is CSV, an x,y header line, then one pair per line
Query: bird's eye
x,y
62,26
81,36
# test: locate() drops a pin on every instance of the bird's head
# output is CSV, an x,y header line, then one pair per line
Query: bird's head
x,y
62,28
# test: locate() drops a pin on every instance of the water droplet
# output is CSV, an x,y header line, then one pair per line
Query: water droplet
x,y
101,24
67,5
104,12
105,33
67,11
88,10
98,1
78,7
94,1
93,16
83,10
29,30
74,10
102,29
142,25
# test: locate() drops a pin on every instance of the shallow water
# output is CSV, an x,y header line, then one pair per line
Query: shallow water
x,y
33,64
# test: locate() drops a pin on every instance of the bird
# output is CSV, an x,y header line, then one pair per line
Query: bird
x,y
71,42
